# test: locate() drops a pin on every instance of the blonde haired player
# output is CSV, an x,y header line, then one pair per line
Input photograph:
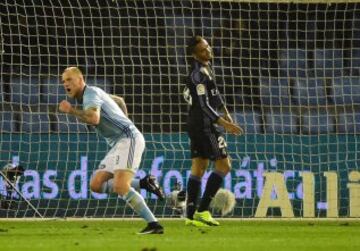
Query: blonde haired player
x,y
117,169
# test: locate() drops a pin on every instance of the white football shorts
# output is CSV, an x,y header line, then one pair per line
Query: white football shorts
x,y
125,155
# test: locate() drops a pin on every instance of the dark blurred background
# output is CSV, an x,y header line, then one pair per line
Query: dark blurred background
x,y
282,68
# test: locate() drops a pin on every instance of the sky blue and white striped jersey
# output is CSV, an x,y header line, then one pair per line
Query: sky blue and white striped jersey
x,y
114,125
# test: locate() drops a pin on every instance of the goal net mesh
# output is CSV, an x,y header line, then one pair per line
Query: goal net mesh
x,y
289,73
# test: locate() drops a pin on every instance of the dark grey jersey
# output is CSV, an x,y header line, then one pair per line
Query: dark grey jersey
x,y
204,97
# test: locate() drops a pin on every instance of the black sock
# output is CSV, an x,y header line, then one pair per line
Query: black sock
x,y
193,190
212,186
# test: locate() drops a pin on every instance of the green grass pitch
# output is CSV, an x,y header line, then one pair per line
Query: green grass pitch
x,y
121,235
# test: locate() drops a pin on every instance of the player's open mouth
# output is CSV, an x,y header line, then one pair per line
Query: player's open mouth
x,y
68,89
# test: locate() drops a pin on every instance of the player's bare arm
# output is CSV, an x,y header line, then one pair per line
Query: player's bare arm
x,y
90,116
230,127
121,103
229,119
226,115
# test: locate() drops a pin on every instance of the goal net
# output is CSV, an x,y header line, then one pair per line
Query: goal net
x,y
289,73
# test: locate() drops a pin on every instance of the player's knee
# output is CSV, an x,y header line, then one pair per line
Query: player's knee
x,y
224,170
121,189
227,168
199,167
223,166
95,186
198,171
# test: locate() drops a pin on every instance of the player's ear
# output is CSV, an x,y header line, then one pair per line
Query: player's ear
x,y
194,54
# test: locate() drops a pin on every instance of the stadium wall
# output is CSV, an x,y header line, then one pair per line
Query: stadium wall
x,y
59,168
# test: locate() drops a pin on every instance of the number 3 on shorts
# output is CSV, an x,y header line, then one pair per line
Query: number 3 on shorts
x,y
222,142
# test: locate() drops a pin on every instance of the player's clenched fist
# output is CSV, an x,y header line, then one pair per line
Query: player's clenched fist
x,y
65,106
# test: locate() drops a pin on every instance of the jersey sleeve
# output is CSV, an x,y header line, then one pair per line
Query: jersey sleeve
x,y
92,99
198,79
217,100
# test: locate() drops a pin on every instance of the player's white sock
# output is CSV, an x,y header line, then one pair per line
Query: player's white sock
x,y
137,202
107,186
